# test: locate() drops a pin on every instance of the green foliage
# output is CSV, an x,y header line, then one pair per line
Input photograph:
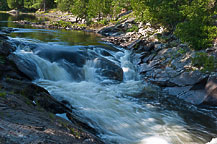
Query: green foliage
x,y
15,4
80,8
28,4
61,23
3,5
64,5
204,62
197,30
134,28
3,94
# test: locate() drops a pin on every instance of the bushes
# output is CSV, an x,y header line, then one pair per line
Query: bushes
x,y
191,20
134,28
197,29
204,62
3,5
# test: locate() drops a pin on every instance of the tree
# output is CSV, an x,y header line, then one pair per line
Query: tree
x,y
64,5
43,4
3,5
99,8
80,8
15,4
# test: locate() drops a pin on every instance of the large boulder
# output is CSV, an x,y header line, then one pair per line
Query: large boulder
x,y
188,78
108,69
6,48
211,91
203,92
77,58
26,66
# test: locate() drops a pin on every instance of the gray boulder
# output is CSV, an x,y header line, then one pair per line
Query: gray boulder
x,y
187,78
211,91
26,66
108,69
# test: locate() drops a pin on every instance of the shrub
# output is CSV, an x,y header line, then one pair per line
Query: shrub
x,y
134,28
204,62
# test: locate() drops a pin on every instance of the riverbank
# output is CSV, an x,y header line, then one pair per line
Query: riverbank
x,y
29,114
165,62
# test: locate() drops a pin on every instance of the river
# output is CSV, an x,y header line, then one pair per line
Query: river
x,y
102,84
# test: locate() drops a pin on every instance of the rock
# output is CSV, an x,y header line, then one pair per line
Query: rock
x,y
123,14
26,117
77,58
143,68
108,69
27,66
16,12
6,48
158,47
211,91
195,97
107,31
188,78
8,30
203,92
191,96
2,36
162,82
134,44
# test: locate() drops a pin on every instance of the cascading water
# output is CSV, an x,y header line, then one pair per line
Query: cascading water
x,y
90,79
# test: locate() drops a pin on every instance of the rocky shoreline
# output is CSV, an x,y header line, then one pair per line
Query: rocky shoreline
x,y
164,61
28,112
169,64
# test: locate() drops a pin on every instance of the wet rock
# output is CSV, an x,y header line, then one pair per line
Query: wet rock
x,y
27,66
6,48
2,36
15,12
75,57
108,31
108,69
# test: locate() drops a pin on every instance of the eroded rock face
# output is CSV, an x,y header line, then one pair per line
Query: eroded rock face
x,y
27,117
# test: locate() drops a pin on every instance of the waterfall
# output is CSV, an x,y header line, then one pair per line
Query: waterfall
x,y
102,89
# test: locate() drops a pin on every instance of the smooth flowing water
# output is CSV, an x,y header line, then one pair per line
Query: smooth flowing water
x,y
102,83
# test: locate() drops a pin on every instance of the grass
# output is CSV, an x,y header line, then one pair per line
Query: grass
x,y
75,132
